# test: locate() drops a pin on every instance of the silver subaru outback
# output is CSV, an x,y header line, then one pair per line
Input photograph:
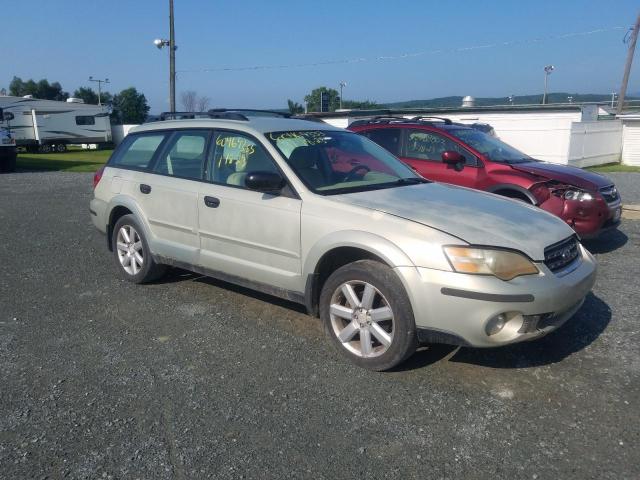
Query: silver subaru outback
x,y
327,218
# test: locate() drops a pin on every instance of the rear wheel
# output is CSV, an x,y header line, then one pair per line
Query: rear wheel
x,y
61,147
367,314
132,253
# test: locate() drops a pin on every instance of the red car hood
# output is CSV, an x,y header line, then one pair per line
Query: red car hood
x,y
565,174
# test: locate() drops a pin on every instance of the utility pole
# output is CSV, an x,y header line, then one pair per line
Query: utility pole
x,y
172,60
99,82
342,85
627,67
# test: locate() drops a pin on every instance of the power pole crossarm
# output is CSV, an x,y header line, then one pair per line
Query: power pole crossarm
x,y
627,66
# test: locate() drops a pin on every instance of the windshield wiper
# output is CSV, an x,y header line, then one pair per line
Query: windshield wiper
x,y
411,181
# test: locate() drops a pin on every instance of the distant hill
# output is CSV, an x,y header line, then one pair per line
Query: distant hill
x,y
456,101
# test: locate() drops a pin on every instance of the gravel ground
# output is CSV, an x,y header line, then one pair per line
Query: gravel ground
x,y
629,186
194,378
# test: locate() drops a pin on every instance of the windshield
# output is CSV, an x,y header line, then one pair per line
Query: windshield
x,y
331,162
491,147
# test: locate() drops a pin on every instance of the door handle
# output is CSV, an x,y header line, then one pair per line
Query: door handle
x,y
145,188
212,202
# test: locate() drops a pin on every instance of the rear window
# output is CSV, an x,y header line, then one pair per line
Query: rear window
x,y
136,151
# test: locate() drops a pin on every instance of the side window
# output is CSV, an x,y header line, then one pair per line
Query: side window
x,y
184,154
234,155
425,145
137,150
388,138
85,120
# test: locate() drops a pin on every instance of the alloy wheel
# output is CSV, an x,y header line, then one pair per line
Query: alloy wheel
x,y
362,319
129,248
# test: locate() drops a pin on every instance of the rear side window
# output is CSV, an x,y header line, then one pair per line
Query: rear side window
x,y
136,151
184,155
388,138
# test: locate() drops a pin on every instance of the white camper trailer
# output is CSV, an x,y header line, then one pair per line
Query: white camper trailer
x,y
45,125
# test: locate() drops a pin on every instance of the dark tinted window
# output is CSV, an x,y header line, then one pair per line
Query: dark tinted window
x,y
136,151
425,145
184,154
389,138
85,120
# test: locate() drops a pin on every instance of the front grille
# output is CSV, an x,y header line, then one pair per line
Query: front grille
x,y
610,194
561,254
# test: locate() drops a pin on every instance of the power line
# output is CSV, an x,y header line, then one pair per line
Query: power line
x,y
403,55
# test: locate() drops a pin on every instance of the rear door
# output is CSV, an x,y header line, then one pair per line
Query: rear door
x,y
423,150
244,233
162,171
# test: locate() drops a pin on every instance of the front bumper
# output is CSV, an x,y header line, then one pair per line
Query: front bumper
x,y
456,308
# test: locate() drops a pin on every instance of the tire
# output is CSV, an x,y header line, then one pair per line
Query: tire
x,y
60,148
46,148
357,326
132,255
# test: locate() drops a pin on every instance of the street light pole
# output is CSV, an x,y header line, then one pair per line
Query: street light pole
x,y
547,71
171,43
342,85
172,60
99,82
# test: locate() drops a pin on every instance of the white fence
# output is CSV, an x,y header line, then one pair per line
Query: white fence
x,y
595,143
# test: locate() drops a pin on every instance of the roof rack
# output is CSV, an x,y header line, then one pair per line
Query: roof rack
x,y
420,118
271,113
380,119
210,114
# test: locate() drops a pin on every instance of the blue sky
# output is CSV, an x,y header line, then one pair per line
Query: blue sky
x,y
68,40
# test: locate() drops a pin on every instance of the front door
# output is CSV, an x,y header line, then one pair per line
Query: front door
x,y
423,151
244,233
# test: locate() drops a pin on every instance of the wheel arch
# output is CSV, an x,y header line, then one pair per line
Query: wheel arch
x,y
341,249
505,189
119,206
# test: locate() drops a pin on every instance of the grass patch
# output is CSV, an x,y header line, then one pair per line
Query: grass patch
x,y
75,160
613,167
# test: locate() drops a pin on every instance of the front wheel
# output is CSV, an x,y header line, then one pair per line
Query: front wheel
x,y
132,253
367,314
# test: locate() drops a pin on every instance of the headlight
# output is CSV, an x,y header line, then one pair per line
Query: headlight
x,y
503,264
578,195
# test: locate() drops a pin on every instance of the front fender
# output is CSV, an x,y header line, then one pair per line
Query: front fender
x,y
390,253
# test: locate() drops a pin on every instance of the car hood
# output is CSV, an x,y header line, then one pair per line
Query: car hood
x,y
478,218
565,174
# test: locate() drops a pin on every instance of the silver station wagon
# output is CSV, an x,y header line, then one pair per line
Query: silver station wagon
x,y
329,219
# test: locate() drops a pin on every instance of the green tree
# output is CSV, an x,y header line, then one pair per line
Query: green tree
x,y
294,107
129,106
360,105
313,99
41,89
87,94
91,97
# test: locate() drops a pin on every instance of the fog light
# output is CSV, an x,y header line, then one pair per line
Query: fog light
x,y
496,324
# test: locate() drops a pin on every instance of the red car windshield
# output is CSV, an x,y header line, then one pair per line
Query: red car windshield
x,y
491,147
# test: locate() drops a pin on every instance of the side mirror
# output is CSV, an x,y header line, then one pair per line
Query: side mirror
x,y
455,159
267,182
